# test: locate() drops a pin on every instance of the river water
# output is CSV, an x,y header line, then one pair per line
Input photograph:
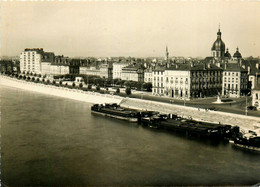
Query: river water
x,y
48,140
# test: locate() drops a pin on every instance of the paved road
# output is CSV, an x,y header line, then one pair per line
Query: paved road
x,y
237,105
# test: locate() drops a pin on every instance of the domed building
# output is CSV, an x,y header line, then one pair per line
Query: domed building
x,y
227,55
218,47
237,55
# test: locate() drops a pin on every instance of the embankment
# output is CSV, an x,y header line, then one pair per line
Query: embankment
x,y
90,97
245,122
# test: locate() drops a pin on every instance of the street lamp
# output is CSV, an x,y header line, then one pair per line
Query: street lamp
x,y
246,105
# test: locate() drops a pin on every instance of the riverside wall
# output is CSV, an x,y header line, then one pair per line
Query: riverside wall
x,y
90,97
244,122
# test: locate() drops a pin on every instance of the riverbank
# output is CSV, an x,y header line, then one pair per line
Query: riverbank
x,y
244,122
79,95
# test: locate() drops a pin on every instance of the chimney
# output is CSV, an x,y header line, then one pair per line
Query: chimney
x,y
257,65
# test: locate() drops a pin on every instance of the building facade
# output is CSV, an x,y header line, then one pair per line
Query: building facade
x,y
256,97
117,69
30,60
132,73
158,81
235,80
186,81
148,75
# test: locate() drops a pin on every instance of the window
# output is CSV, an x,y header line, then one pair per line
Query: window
x,y
256,96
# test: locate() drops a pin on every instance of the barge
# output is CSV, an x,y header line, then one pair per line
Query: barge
x,y
115,111
249,141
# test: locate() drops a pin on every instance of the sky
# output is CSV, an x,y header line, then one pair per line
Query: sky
x,y
137,29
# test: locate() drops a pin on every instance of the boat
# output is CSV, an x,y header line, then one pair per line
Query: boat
x,y
115,111
152,119
249,141
201,129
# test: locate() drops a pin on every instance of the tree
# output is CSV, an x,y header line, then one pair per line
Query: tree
x,y
60,82
80,85
117,90
37,80
128,91
98,88
73,84
147,86
24,77
48,81
33,79
54,82
43,80
89,86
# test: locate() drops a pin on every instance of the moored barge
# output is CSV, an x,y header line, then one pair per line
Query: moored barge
x,y
115,111
249,141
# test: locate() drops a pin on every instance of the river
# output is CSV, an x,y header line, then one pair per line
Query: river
x,y
48,140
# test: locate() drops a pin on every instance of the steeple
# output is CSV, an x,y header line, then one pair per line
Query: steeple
x,y
166,54
219,33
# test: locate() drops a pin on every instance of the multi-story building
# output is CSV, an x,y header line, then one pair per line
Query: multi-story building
x,y
30,60
253,71
59,69
106,70
185,81
256,96
234,80
117,69
86,70
158,80
132,73
148,75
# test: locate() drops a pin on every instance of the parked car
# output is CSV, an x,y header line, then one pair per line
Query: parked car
x,y
251,108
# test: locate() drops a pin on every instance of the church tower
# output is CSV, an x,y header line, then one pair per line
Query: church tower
x,y
218,47
166,54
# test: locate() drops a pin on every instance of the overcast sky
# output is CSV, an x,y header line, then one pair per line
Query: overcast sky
x,y
137,29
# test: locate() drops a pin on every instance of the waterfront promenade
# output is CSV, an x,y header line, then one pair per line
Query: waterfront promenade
x,y
244,122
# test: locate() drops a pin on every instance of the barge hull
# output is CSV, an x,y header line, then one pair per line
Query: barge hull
x,y
117,117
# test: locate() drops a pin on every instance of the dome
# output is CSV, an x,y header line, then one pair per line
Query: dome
x,y
227,54
218,45
237,54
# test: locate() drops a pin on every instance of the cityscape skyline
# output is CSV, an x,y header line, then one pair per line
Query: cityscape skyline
x,y
140,29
